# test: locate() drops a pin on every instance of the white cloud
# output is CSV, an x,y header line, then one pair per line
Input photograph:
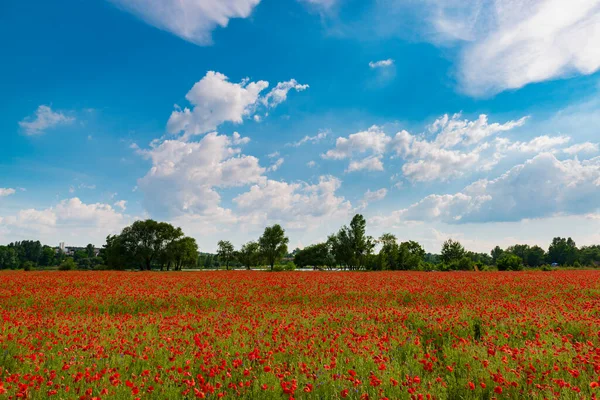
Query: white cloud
x,y
586,147
192,20
372,163
6,192
184,175
275,166
370,197
535,145
312,139
373,139
452,131
297,204
311,164
541,187
70,219
512,44
44,119
381,64
122,204
216,100
279,93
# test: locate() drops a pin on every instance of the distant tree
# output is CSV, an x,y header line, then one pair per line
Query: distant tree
x,y
80,255
452,251
509,262
535,256
410,255
67,265
496,253
226,252
316,255
47,258
388,255
8,258
182,253
273,244
146,241
590,255
562,251
351,246
249,255
89,249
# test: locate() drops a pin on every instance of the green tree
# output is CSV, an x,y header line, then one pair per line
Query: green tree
x,y
316,255
8,258
67,265
351,246
182,253
509,262
273,244
496,253
146,241
535,256
388,255
47,258
563,251
226,252
452,251
410,255
89,249
249,255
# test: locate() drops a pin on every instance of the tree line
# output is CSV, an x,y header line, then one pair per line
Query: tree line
x,y
149,244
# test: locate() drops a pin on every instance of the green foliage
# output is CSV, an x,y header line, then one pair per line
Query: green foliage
x,y
28,266
273,244
226,252
316,255
181,253
509,262
562,251
249,255
351,246
452,251
67,265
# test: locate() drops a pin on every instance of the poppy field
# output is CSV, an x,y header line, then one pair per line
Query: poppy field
x,y
322,335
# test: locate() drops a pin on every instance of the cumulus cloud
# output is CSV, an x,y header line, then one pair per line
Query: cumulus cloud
x,y
69,219
279,93
192,20
215,100
381,64
43,120
184,175
6,192
372,163
541,187
297,204
122,204
586,147
373,140
275,166
370,197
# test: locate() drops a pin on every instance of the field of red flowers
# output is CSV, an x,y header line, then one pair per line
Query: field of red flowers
x,y
324,335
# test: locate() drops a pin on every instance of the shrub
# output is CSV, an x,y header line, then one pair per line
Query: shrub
x,y
67,265
28,265
509,262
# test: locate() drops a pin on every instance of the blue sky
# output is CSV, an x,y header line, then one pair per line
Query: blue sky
x,y
476,120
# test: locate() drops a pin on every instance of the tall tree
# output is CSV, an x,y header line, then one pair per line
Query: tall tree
x,y
496,253
562,251
452,251
182,253
249,255
89,249
273,244
226,252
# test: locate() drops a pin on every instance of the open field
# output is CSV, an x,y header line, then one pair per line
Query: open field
x,y
319,335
